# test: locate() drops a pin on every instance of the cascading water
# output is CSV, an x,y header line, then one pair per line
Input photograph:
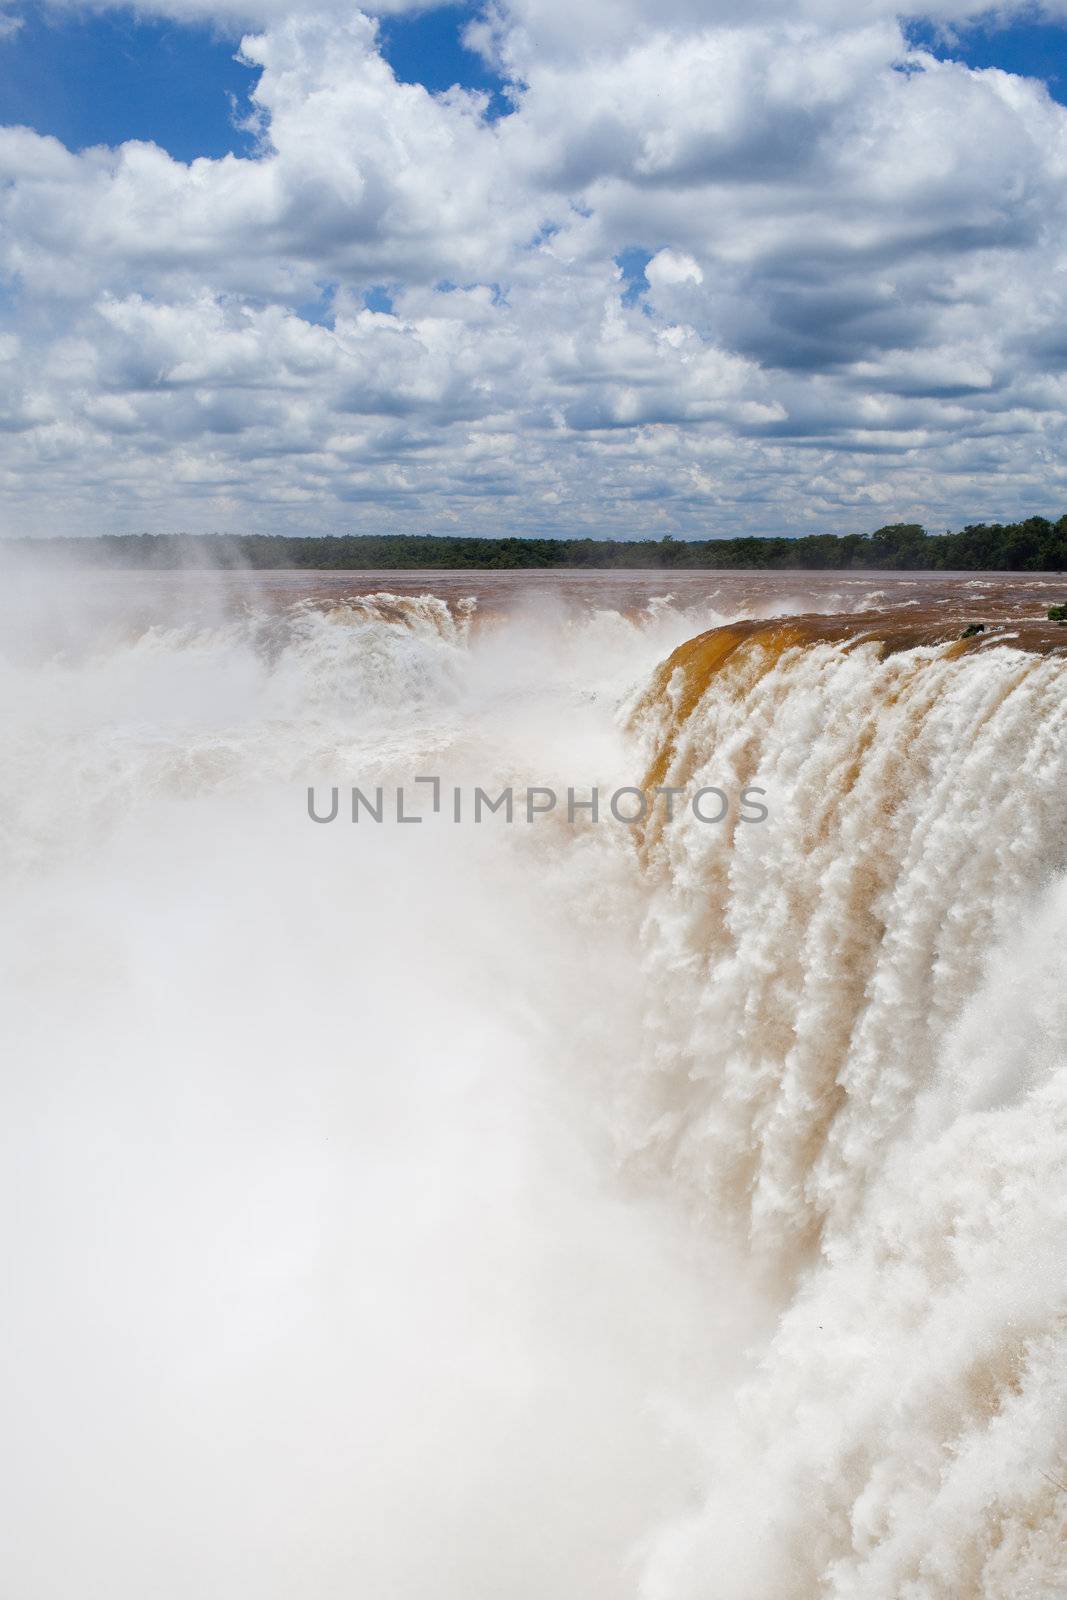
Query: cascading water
x,y
856,1056
551,1210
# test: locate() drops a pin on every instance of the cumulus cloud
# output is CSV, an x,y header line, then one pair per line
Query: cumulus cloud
x,y
852,303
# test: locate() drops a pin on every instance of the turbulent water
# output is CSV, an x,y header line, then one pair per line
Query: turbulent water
x,y
558,1210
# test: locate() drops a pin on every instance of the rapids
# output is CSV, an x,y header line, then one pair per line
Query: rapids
x,y
565,1211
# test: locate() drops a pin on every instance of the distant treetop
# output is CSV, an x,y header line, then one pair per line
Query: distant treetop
x,y
1035,545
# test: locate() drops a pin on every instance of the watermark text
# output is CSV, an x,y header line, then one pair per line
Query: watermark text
x,y
630,805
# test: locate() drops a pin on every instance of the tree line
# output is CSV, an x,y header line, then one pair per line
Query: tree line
x,y
1035,545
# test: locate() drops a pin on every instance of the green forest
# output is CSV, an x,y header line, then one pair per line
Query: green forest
x,y
1035,545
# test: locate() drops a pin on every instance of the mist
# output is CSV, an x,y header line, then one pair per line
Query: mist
x,y
543,1210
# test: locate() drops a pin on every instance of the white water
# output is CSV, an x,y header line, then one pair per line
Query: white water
x,y
478,1212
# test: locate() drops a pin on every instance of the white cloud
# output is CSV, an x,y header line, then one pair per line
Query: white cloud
x,y
669,267
854,297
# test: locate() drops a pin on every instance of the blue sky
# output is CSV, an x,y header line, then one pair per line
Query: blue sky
x,y
712,268
1032,49
101,78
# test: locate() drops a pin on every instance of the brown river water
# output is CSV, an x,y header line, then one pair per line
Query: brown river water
x,y
905,608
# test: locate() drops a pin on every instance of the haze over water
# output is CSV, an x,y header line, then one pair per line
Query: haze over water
x,y
539,1210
